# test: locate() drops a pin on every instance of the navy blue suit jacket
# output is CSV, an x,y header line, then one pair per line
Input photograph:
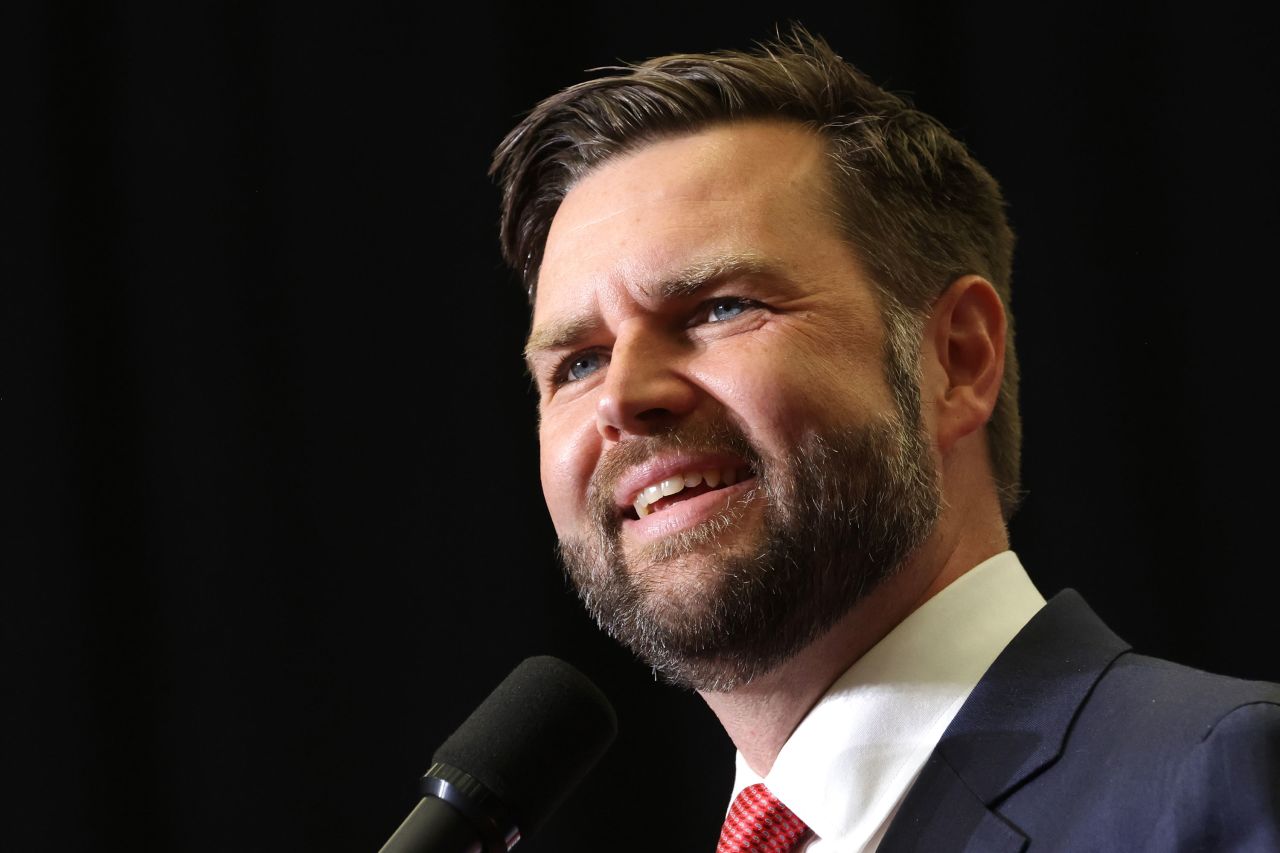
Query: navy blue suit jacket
x,y
1073,742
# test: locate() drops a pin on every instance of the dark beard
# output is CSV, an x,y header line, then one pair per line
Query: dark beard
x,y
840,514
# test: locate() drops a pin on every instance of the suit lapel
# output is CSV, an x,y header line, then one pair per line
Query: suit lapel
x,y
1014,724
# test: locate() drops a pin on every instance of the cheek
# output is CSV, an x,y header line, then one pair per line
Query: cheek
x,y
779,396
774,397
568,454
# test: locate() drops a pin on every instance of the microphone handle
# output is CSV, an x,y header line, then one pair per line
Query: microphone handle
x,y
434,826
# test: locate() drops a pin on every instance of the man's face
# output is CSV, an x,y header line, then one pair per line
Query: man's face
x,y
723,459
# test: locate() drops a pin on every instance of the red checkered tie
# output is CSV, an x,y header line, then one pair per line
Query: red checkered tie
x,y
759,823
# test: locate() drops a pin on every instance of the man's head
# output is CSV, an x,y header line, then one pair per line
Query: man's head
x,y
733,260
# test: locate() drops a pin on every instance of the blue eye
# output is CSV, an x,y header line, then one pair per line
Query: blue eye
x,y
581,366
726,309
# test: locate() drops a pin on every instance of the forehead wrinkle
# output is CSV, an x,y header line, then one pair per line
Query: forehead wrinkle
x,y
613,214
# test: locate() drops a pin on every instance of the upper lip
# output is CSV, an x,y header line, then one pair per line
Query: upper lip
x,y
659,468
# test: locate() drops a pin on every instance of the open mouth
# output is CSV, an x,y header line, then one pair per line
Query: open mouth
x,y
682,486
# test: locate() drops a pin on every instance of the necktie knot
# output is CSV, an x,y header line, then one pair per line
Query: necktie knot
x,y
758,822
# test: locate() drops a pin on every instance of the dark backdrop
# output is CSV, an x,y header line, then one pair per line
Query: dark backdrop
x,y
272,522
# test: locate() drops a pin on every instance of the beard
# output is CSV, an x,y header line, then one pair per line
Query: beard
x,y
716,606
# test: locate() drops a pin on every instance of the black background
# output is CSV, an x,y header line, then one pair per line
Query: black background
x,y
272,522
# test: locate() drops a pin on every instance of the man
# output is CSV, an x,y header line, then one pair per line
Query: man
x,y
780,444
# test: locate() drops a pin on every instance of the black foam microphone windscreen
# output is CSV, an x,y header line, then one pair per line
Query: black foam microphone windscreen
x,y
534,739
511,764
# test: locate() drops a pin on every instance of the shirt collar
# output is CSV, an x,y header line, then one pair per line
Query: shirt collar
x,y
847,765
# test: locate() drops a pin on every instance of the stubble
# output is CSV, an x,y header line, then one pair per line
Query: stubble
x,y
713,607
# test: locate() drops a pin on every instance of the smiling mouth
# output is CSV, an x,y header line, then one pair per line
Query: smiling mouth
x,y
680,487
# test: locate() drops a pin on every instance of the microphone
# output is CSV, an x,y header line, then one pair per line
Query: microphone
x,y
511,764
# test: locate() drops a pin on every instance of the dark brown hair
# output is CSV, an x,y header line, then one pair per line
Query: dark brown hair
x,y
918,209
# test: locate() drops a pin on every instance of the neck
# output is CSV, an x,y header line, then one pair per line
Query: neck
x,y
760,716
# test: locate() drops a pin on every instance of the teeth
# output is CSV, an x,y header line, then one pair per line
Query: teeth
x,y
674,485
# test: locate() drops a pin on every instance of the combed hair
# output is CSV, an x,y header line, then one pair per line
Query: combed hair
x,y
918,209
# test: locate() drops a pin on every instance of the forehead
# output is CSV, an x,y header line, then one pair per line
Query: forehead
x,y
752,188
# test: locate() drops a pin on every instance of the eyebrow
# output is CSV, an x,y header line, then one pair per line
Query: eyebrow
x,y
563,334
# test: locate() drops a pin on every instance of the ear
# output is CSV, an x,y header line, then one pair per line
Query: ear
x,y
967,330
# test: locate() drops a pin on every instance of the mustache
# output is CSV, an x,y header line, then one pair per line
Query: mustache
x,y
703,437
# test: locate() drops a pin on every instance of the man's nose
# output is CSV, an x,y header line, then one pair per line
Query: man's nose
x,y
645,390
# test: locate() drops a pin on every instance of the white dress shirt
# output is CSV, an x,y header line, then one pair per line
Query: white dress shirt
x,y
847,767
